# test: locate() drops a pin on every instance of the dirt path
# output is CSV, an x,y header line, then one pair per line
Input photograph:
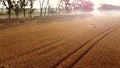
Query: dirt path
x,y
61,44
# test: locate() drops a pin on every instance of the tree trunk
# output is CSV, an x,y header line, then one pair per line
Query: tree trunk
x,y
59,6
9,8
41,8
24,8
2,10
17,15
46,8
31,6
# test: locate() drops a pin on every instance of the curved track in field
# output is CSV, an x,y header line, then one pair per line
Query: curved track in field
x,y
88,46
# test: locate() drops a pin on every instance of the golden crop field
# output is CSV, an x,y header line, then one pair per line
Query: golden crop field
x,y
61,42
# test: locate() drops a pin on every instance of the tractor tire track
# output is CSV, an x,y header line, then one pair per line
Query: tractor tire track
x,y
40,47
57,39
72,63
49,46
94,45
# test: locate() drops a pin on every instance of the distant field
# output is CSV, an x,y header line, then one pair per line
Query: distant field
x,y
62,42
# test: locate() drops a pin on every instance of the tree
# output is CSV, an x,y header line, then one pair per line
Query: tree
x,y
47,7
12,6
23,4
40,6
2,6
16,8
88,6
60,6
41,10
31,7
8,6
108,7
82,5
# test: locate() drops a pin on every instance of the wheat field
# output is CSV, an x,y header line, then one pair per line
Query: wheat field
x,y
62,42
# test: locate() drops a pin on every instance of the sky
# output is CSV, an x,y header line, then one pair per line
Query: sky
x,y
53,3
96,2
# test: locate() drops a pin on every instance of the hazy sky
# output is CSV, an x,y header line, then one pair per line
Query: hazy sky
x,y
53,3
96,2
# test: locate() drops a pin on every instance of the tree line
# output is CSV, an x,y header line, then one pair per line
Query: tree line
x,y
18,6
62,7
